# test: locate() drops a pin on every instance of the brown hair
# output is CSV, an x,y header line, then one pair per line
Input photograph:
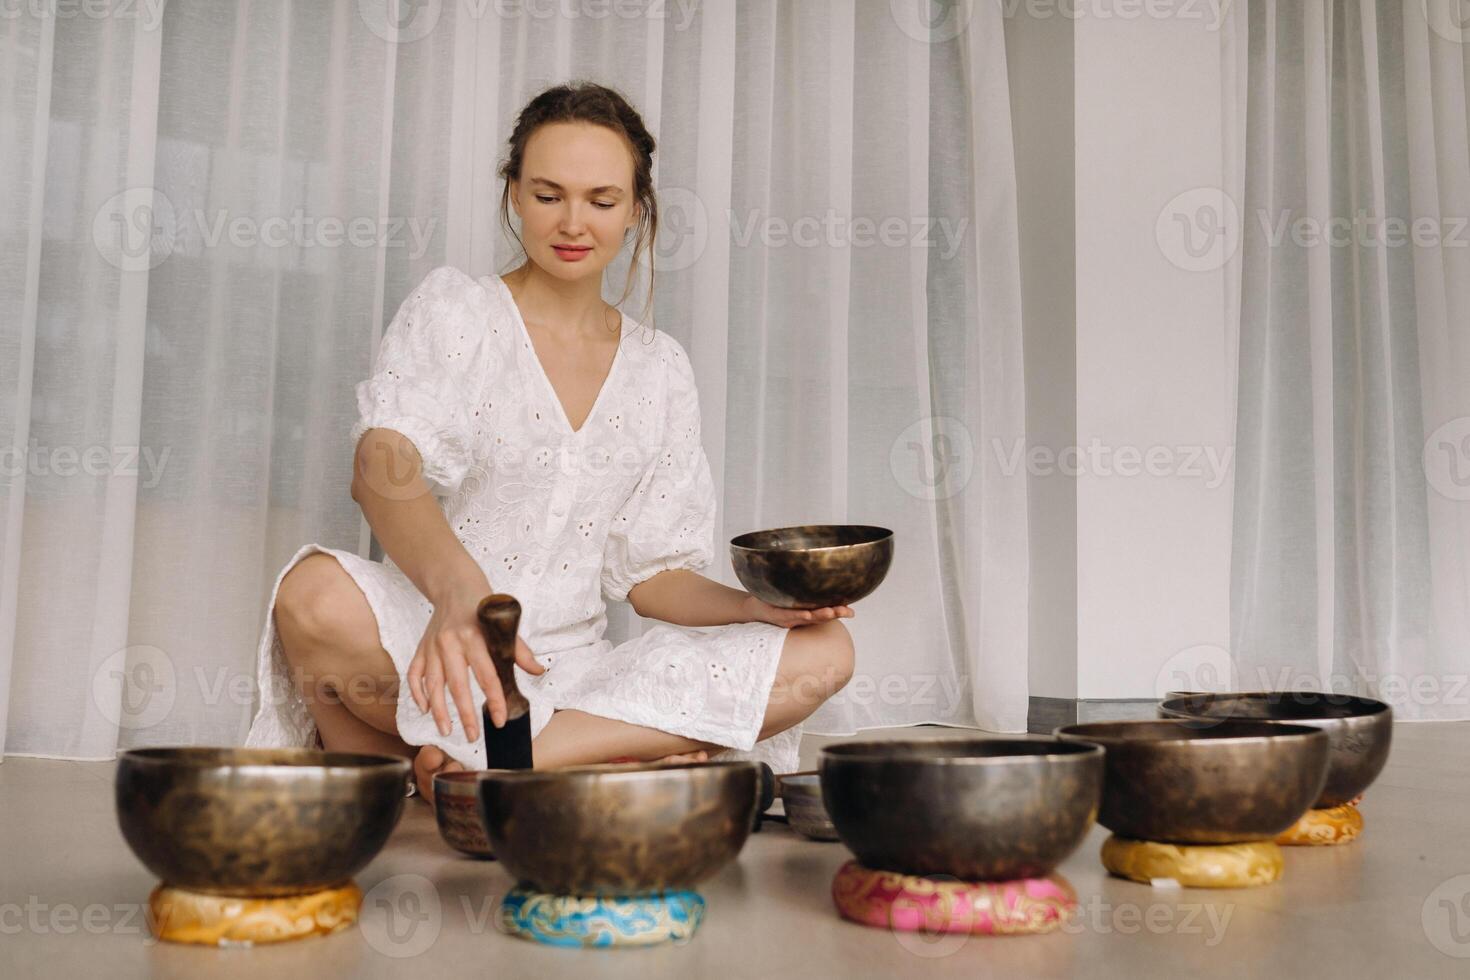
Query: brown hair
x,y
588,102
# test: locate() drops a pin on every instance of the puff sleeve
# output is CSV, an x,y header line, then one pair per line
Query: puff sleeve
x,y
420,385
668,521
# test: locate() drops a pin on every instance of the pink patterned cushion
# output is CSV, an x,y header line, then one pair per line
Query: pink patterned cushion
x,y
911,903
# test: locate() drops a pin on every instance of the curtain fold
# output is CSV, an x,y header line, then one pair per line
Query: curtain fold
x,y
209,219
1352,500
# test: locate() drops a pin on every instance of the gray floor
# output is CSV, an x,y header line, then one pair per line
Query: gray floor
x,y
1396,903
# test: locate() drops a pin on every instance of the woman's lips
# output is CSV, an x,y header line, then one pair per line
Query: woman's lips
x,y
569,253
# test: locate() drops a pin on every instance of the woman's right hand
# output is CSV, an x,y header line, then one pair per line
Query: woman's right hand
x,y
451,649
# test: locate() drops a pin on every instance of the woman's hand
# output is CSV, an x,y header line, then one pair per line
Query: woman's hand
x,y
451,649
757,610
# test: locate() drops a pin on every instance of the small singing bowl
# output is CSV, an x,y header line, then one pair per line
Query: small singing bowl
x,y
258,823
801,796
1226,782
814,565
1359,730
457,809
977,809
618,829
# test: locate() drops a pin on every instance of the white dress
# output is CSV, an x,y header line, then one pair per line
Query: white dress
x,y
559,519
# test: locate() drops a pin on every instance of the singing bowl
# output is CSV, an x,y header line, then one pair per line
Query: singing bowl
x,y
257,822
1359,730
618,830
1228,782
801,796
813,565
976,809
457,811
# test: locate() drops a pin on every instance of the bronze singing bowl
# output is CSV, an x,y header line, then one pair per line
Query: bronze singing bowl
x,y
1359,730
1223,783
801,798
814,565
977,809
618,829
257,822
457,809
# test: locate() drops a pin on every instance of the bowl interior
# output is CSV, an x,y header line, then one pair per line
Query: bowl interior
x,y
956,751
224,758
1184,730
810,537
1284,706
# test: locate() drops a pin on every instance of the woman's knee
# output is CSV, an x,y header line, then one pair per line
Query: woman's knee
x,y
819,660
318,602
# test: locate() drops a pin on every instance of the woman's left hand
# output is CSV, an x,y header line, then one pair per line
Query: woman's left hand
x,y
760,611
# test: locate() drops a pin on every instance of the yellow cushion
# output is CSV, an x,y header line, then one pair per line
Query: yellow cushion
x,y
1194,865
181,916
1333,825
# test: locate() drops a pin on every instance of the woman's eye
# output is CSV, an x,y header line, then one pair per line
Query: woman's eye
x,y
544,198
604,205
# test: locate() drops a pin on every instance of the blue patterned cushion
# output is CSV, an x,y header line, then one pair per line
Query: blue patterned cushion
x,y
574,920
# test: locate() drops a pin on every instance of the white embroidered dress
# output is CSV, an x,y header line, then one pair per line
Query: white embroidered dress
x,y
559,519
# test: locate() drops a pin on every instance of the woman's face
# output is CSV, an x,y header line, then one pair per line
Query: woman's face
x,y
575,189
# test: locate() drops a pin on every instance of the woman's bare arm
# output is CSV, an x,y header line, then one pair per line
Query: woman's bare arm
x,y
687,598
388,484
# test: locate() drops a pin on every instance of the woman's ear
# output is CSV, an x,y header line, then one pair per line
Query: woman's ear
x,y
515,197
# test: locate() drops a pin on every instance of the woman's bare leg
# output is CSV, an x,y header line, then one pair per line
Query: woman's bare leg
x,y
350,685
816,661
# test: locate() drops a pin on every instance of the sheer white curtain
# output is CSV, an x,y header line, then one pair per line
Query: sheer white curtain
x,y
1351,565
208,217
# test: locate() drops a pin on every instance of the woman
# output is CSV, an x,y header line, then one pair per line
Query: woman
x,y
520,435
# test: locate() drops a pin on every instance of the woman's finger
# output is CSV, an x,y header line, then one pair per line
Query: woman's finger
x,y
434,681
457,673
416,679
526,659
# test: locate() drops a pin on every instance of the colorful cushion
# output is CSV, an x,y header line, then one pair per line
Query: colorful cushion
x,y
1332,825
572,920
181,916
1194,865
913,903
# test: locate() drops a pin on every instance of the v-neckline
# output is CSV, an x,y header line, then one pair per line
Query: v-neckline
x,y
561,410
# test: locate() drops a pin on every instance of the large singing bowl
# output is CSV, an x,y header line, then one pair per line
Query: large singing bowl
x,y
1359,730
977,809
257,822
814,565
1227,782
617,829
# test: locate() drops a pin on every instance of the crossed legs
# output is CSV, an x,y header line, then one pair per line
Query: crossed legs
x,y
330,638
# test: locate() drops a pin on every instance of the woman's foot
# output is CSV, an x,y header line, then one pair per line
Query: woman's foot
x,y
429,760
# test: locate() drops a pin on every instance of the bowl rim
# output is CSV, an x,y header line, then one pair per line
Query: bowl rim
x,y
886,535
851,751
1287,730
182,757
1374,706
619,771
